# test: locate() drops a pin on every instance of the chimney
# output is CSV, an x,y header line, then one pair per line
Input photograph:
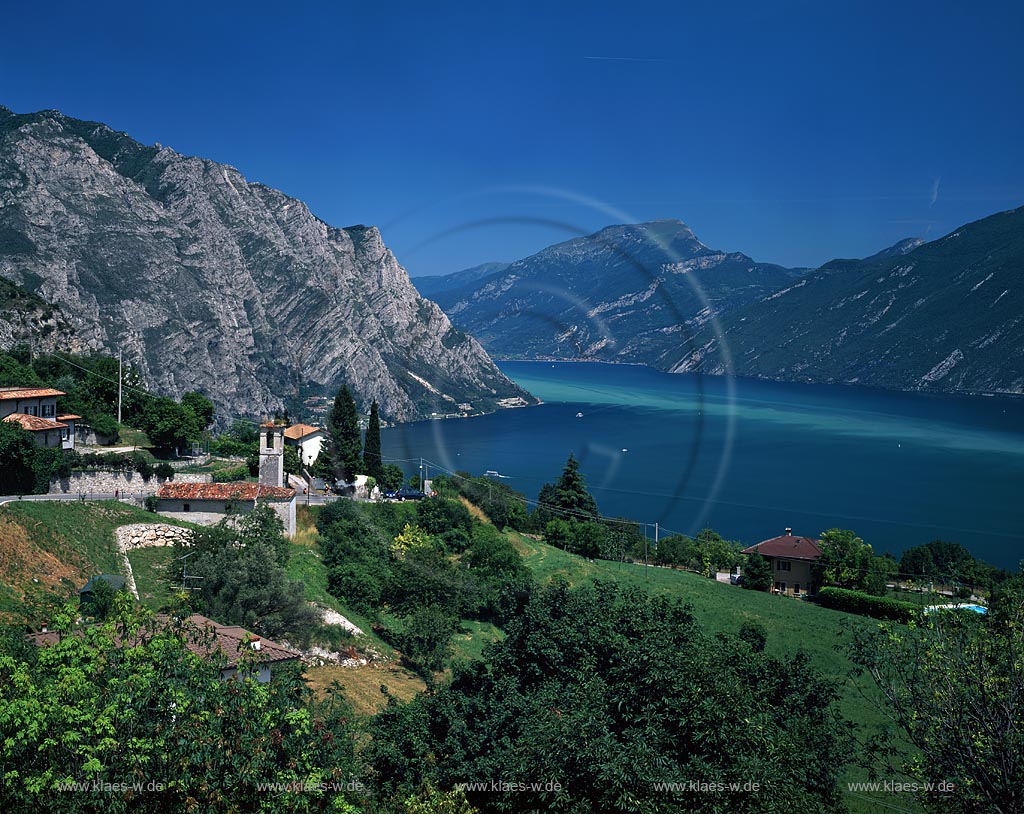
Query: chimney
x,y
255,642
789,531
45,628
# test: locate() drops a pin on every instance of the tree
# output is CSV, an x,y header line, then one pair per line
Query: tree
x,y
600,694
292,462
844,558
17,455
167,423
568,497
130,702
372,463
425,640
391,477
588,538
954,687
341,453
200,406
241,577
558,533
757,573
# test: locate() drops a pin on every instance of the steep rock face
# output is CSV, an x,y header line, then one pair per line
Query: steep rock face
x,y
633,293
210,282
24,318
946,315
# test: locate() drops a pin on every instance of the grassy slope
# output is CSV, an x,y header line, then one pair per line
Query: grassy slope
x,y
71,541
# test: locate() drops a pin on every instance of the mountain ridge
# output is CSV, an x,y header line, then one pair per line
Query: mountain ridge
x,y
944,316
176,258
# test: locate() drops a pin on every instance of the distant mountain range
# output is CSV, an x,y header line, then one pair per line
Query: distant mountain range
x,y
211,282
633,293
946,315
431,287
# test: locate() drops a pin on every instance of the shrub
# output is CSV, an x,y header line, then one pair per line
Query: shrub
x,y
867,605
150,502
143,467
231,474
755,634
164,470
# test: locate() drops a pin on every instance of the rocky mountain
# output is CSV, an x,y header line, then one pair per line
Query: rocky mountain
x,y
633,293
211,282
25,318
431,286
946,315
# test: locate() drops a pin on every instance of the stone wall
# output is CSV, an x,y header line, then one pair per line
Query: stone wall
x,y
129,484
143,535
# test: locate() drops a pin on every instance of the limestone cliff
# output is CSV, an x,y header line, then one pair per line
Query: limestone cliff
x,y
210,282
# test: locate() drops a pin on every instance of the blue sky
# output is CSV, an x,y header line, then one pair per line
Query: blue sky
x,y
792,131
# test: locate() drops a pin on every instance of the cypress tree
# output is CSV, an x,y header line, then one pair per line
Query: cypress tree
x,y
372,462
342,452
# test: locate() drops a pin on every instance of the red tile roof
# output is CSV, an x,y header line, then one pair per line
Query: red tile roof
x,y
205,638
33,423
232,641
297,432
222,491
788,546
69,417
12,393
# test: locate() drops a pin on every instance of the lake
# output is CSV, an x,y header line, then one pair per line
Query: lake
x,y
750,458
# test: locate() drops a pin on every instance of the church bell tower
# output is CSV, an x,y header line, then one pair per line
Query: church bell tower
x,y
271,454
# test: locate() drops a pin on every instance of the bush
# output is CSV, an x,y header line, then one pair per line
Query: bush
x,y
143,466
164,470
867,605
231,474
150,502
755,634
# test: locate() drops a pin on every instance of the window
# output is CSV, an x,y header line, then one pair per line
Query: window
x,y
780,587
796,589
64,434
184,507
49,410
782,565
270,439
32,411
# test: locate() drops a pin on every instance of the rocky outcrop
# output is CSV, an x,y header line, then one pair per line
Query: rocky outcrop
x,y
210,282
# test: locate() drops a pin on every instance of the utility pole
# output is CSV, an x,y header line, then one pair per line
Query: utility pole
x,y
119,379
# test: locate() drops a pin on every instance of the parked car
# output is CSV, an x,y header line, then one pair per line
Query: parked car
x,y
391,494
408,493
736,579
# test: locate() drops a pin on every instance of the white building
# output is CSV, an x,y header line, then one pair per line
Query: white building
x,y
307,440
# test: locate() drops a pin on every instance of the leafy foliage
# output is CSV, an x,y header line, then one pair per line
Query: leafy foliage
x,y
240,576
879,607
599,694
955,686
128,702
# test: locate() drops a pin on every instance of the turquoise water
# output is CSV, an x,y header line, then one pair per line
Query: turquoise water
x,y
750,458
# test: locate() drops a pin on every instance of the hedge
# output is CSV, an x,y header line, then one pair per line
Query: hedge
x,y
879,607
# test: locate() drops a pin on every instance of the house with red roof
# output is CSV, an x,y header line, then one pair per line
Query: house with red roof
x,y
792,560
307,441
34,409
208,503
